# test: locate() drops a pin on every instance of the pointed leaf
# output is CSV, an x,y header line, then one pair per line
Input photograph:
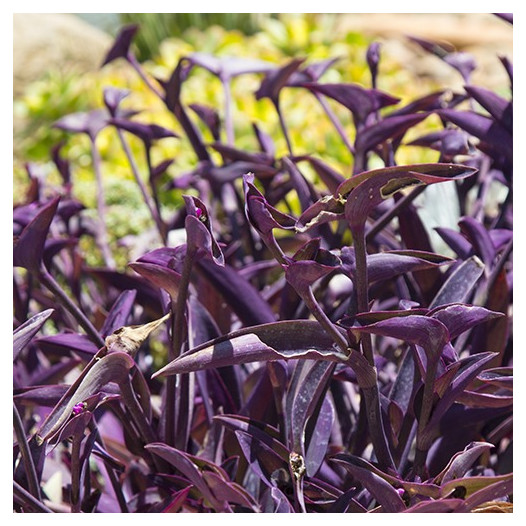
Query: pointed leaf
x,y
121,46
485,128
28,247
242,297
470,367
460,463
359,101
90,123
459,317
228,67
272,341
111,368
160,276
498,107
460,283
426,332
24,333
386,495
276,79
184,464
260,457
119,312
389,128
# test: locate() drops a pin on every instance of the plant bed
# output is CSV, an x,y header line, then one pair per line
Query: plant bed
x,y
288,337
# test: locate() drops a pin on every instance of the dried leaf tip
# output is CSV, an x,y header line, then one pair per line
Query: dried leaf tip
x,y
129,339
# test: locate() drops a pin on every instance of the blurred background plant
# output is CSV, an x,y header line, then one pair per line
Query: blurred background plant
x,y
161,41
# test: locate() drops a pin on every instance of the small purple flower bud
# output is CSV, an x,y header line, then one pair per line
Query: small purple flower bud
x,y
200,214
79,408
400,491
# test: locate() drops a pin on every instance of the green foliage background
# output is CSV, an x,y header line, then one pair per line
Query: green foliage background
x,y
270,38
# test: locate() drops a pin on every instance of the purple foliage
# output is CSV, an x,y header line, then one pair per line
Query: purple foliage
x,y
326,362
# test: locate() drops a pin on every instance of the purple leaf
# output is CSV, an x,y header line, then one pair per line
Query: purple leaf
x,y
448,142
210,118
319,441
302,273
228,491
479,238
119,312
276,79
485,128
498,490
472,485
429,333
460,317
28,247
389,128
228,67
464,63
262,459
24,333
373,59
42,395
241,296
498,107
199,238
183,463
386,495
146,132
460,283
67,342
366,190
359,101
308,386
386,265
311,73
111,368
121,46
160,276
330,177
499,376
113,97
262,432
90,123
456,241
469,368
461,462
273,341
436,506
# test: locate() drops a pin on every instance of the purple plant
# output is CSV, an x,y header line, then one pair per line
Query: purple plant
x,y
326,361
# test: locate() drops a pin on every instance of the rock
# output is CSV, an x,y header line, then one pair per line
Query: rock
x,y
45,41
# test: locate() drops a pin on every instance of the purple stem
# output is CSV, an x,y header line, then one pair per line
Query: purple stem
x,y
102,234
371,394
49,282
154,212
229,123
283,126
24,498
27,458
422,442
336,123
75,474
179,330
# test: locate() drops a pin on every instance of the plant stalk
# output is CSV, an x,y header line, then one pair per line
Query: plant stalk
x,y
101,207
179,330
422,446
154,212
49,282
27,458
